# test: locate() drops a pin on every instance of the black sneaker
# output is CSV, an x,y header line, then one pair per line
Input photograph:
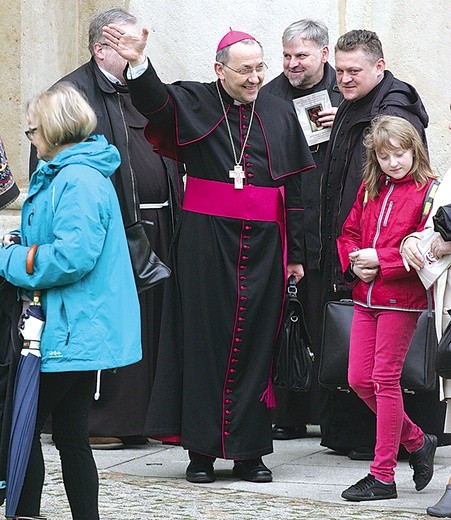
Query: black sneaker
x,y
369,488
422,462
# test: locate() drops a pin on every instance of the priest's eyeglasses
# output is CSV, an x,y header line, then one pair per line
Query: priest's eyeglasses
x,y
247,71
30,132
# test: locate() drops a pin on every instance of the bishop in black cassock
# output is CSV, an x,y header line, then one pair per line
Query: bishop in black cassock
x,y
223,303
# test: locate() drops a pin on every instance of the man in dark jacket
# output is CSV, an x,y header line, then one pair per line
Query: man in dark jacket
x,y
306,71
154,182
368,90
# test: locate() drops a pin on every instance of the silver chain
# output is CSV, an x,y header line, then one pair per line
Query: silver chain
x,y
237,161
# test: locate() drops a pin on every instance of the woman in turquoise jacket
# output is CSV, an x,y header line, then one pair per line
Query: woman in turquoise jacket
x,y
82,268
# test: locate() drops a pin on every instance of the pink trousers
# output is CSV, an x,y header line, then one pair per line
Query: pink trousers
x,y
379,343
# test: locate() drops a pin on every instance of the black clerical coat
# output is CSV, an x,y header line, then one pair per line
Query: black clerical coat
x,y
223,303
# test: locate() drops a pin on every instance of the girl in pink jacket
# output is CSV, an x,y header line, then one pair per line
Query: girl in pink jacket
x,y
387,298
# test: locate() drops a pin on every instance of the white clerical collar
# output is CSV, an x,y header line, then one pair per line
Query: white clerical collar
x,y
111,78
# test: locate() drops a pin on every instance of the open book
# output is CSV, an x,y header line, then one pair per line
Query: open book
x,y
433,267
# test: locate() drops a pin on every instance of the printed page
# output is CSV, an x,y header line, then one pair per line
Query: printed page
x,y
307,108
433,267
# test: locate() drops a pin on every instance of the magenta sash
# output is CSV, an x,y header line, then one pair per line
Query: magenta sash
x,y
221,199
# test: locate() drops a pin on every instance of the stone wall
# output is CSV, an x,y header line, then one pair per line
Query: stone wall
x,y
45,39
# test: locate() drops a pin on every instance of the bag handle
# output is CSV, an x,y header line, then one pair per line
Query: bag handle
x,y
292,290
429,297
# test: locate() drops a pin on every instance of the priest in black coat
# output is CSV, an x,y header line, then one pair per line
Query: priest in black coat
x,y
153,182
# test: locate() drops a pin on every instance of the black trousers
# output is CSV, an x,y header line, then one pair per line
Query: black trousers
x,y
68,397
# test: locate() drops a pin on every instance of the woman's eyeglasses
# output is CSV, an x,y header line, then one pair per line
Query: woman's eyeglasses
x,y
30,132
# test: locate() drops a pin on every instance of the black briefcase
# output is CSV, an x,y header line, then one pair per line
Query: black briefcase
x,y
418,372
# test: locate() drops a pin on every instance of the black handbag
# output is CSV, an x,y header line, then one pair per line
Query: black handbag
x,y
418,372
148,269
443,357
442,222
294,359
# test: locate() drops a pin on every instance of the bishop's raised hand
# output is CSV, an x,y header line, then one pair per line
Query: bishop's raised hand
x,y
127,42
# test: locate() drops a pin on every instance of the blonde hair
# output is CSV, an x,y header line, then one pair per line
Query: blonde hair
x,y
63,115
377,140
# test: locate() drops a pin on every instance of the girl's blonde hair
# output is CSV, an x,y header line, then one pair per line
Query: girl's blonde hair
x,y
63,114
377,140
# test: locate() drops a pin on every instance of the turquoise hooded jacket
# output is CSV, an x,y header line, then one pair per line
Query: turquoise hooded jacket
x,y
82,265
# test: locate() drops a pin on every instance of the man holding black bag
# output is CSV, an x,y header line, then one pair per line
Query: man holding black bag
x,y
347,425
307,76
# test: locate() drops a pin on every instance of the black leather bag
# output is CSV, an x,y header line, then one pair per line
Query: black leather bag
x,y
294,359
419,367
443,357
442,222
148,269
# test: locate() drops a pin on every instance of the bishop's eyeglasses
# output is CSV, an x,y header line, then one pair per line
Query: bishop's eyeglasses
x,y
247,71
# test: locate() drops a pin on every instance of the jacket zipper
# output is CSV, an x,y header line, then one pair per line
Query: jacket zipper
x,y
133,179
381,221
321,198
387,215
341,191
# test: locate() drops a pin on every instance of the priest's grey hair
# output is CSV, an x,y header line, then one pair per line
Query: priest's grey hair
x,y
116,15
307,29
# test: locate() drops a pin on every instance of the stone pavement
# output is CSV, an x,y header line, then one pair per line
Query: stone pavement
x,y
148,483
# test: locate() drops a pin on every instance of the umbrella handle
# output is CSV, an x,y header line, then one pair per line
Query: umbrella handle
x,y
29,262
29,266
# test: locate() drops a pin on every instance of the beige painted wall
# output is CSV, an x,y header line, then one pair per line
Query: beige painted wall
x,y
415,35
45,39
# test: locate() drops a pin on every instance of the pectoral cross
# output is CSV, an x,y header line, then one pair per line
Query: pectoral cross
x,y
238,175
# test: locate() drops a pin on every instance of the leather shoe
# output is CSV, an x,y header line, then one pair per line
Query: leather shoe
x,y
200,469
30,517
442,508
362,453
252,470
367,453
422,462
105,443
282,433
134,440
